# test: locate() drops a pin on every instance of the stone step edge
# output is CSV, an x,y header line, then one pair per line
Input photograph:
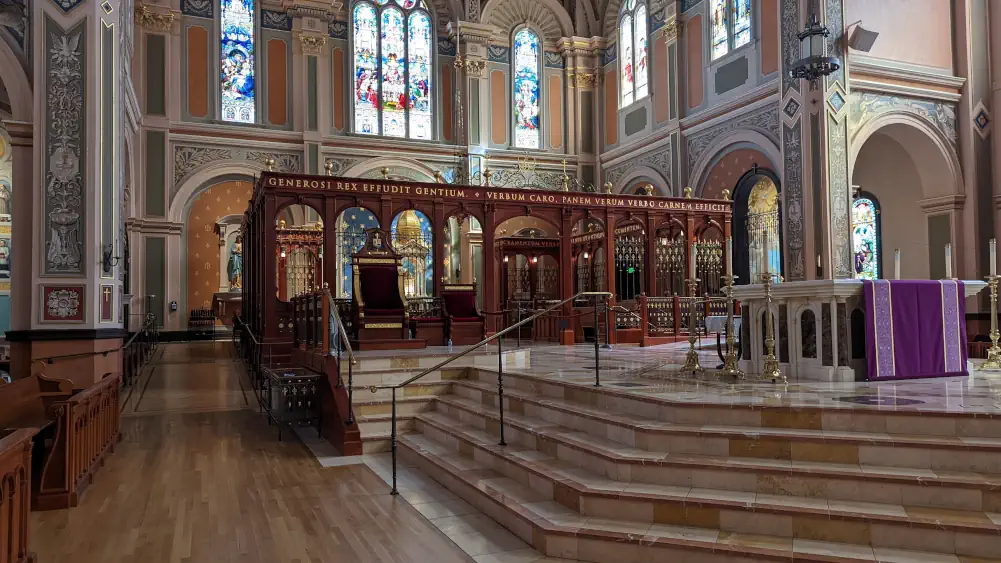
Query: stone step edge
x,y
899,440
389,400
580,488
547,528
711,462
704,404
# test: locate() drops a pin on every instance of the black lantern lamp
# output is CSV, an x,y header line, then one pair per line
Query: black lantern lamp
x,y
815,62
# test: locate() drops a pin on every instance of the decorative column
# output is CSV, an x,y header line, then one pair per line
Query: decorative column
x,y
471,41
582,79
310,71
814,118
76,268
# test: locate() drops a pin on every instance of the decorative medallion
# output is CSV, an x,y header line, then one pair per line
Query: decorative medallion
x,y
446,47
65,149
67,5
107,7
337,30
554,60
63,303
198,8
836,100
981,119
498,54
272,19
792,106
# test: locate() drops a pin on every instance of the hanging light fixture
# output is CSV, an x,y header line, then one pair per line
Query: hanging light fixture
x,y
815,62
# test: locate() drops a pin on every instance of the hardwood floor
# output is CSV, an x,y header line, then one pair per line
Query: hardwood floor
x,y
216,486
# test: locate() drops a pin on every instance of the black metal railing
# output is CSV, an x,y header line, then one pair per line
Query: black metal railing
x,y
499,337
339,343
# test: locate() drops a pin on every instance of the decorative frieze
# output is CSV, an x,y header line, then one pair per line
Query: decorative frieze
x,y
865,106
792,149
498,54
764,120
312,44
67,5
65,148
152,20
659,160
198,8
277,20
189,158
337,30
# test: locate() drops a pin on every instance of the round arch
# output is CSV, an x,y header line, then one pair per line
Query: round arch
x,y
15,80
644,174
922,148
374,166
508,14
194,184
724,144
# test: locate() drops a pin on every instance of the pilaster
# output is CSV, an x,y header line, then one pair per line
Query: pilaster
x,y
583,78
471,81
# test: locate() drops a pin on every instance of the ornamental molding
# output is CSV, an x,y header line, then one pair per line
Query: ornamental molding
x,y
312,44
764,120
672,30
188,159
65,148
580,46
866,106
792,188
474,67
470,32
658,159
153,20
585,79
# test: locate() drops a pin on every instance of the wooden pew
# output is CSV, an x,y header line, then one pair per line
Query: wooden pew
x,y
15,487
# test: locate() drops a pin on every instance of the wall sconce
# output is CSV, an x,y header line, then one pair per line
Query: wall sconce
x,y
505,258
282,253
585,255
535,259
108,261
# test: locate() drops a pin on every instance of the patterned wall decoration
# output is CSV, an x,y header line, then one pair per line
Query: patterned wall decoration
x,y
339,165
67,5
498,54
837,174
446,47
864,106
63,304
14,17
659,160
608,55
271,19
202,254
689,4
198,8
764,121
65,148
792,191
188,158
725,174
553,60
791,46
337,30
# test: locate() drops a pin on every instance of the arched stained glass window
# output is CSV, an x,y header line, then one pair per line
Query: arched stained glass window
x,y
527,59
236,48
633,57
865,237
730,25
392,68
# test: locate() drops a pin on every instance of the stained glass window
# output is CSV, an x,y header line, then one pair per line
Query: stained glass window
x,y
526,89
730,23
236,48
865,238
393,68
633,52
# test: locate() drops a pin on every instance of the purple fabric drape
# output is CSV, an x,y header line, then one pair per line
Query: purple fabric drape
x,y
914,329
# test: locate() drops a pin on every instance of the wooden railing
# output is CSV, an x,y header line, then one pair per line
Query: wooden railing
x,y
86,430
670,317
15,484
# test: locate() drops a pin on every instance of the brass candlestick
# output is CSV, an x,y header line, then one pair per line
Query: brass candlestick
x,y
730,372
993,362
771,369
692,359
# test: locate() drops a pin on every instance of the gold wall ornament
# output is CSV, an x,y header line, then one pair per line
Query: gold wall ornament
x,y
608,187
151,20
475,68
270,164
526,164
312,44
329,167
688,192
585,79
385,173
672,30
726,194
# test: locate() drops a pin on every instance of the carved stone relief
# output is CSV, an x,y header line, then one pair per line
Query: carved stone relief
x,y
864,106
837,185
188,159
659,160
65,148
792,190
791,46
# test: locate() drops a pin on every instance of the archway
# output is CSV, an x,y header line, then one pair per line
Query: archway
x,y
463,258
413,240
904,165
300,251
350,236
528,250
757,220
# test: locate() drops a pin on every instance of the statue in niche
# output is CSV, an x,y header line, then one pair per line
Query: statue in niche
x,y
4,258
234,268
5,202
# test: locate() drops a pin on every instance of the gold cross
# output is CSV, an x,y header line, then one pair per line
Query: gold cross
x,y
564,167
107,293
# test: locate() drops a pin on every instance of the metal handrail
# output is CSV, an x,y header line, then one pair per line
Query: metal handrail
x,y
351,355
499,337
621,309
489,339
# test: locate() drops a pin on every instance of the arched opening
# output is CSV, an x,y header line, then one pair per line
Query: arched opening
x,y
757,217
630,259
299,233
528,250
588,239
350,237
464,253
910,176
867,249
413,239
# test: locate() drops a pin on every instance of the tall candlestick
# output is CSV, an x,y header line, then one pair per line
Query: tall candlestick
x,y
948,261
729,256
994,257
896,264
691,263
764,254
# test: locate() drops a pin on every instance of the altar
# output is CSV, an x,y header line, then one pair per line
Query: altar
x,y
819,328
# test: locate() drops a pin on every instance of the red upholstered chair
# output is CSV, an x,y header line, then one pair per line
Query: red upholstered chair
x,y
465,323
427,320
380,310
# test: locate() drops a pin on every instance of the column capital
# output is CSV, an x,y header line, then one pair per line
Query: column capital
x,y
580,46
470,33
157,19
311,43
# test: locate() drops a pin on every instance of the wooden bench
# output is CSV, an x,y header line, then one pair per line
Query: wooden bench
x,y
75,431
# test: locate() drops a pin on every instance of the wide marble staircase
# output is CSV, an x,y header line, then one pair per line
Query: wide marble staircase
x,y
605,475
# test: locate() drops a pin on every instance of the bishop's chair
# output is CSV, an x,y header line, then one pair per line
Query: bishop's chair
x,y
379,309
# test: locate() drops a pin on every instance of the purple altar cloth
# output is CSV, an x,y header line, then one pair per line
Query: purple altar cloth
x,y
914,329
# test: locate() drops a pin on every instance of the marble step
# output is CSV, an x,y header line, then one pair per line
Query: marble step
x,y
848,418
558,531
363,394
945,453
835,481
976,534
382,424
365,379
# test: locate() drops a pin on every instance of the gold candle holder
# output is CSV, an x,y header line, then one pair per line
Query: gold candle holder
x,y
730,372
993,361
692,359
770,370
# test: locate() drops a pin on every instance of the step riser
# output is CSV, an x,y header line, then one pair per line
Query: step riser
x,y
705,414
755,446
408,408
363,394
385,426
747,520
512,358
928,494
